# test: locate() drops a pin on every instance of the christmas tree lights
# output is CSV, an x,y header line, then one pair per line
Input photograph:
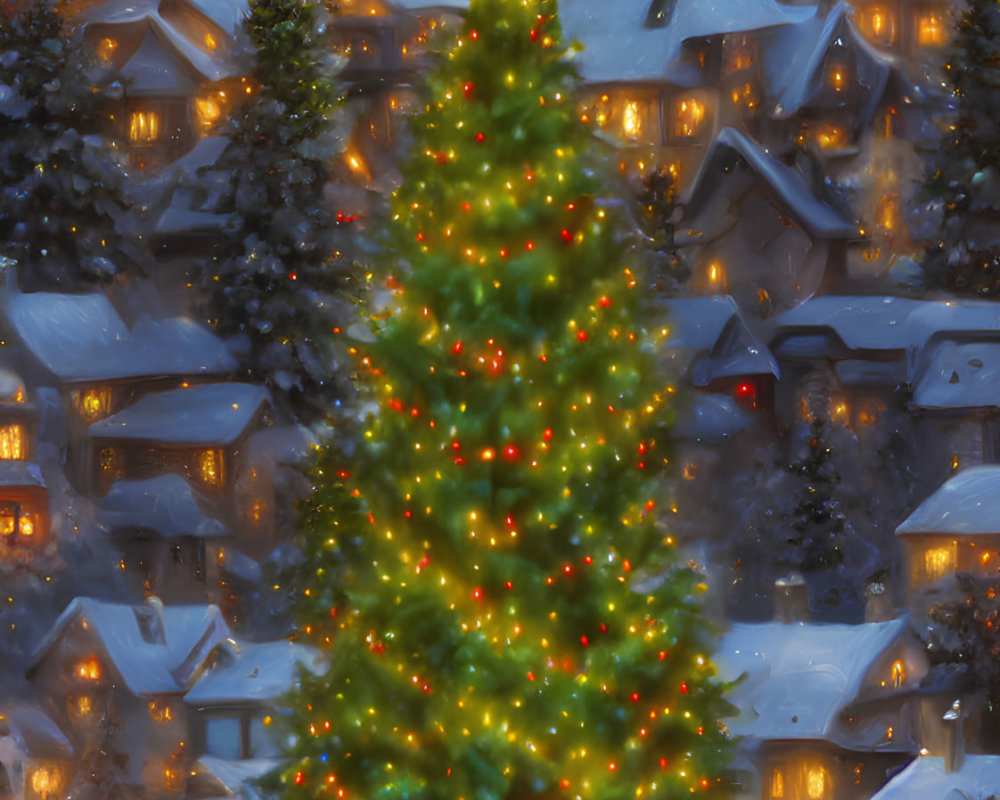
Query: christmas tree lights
x,y
502,611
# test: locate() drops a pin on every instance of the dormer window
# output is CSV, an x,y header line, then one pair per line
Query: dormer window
x,y
897,674
878,24
932,29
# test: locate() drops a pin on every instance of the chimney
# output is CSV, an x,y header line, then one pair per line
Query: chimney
x,y
878,603
954,739
791,599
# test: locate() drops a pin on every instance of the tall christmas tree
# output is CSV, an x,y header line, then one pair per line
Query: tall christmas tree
x,y
965,172
65,219
508,620
281,283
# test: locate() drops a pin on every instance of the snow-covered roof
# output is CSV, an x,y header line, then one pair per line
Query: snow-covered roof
x,y
978,779
799,676
156,661
166,504
11,385
36,733
618,46
431,5
206,414
796,198
861,322
80,337
257,672
710,417
156,69
230,778
966,504
794,61
205,153
20,473
958,374
713,328
182,216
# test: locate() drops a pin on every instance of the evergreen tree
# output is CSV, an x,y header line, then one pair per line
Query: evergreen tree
x,y
965,171
64,216
657,207
280,281
507,620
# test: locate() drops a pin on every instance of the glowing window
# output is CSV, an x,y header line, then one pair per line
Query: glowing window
x,y
210,42
257,510
689,115
108,459
209,467
716,273
89,669
93,404
80,706
631,122
878,25
831,137
738,53
888,213
106,49
816,783
208,110
160,711
898,674
932,29
777,783
836,76
143,127
12,443
45,782
938,562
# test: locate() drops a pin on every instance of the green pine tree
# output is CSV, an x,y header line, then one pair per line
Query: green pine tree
x,y
505,616
65,219
965,171
281,281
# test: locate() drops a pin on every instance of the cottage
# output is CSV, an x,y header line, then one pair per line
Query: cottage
x,y
35,755
201,433
176,61
118,672
825,709
752,227
170,541
956,529
663,77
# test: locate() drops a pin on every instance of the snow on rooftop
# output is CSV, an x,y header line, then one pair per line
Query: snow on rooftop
x,y
206,414
861,322
710,417
234,777
80,337
258,671
967,504
155,69
799,676
978,779
618,46
959,375
36,733
789,186
147,662
166,504
20,473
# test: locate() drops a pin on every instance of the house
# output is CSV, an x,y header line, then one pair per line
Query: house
x,y
956,529
35,755
753,228
201,433
662,77
170,541
913,29
824,709
117,673
176,61
235,699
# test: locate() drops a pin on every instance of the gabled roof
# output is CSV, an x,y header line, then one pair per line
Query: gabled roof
x,y
925,776
788,187
80,337
147,664
618,46
207,414
36,734
795,59
220,777
711,338
966,504
258,672
21,473
799,676
709,417
959,375
157,69
166,504
860,322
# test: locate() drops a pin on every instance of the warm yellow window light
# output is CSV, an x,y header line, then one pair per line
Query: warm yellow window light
x,y
777,783
12,442
160,711
82,705
143,127
717,276
89,669
836,76
879,25
938,562
208,110
106,48
631,123
931,29
94,403
888,211
898,673
210,42
689,114
209,467
25,526
831,137
45,782
816,783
